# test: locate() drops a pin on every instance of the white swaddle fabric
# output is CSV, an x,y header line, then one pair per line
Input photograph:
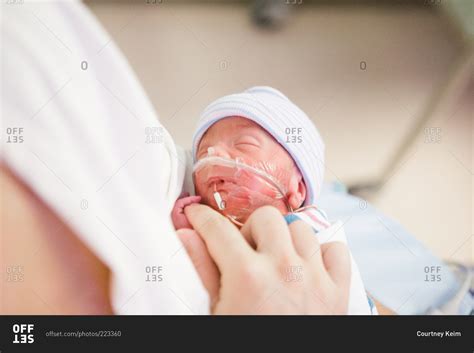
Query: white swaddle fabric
x,y
88,152
358,302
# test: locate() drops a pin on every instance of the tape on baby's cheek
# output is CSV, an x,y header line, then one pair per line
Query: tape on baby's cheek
x,y
211,151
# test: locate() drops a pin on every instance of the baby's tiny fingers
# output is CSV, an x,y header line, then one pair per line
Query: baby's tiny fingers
x,y
189,200
182,203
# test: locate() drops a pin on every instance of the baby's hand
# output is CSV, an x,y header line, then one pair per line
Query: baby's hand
x,y
177,215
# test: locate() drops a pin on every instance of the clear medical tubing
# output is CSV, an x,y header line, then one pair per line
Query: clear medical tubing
x,y
236,189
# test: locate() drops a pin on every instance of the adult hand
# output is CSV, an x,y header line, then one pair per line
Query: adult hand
x,y
268,267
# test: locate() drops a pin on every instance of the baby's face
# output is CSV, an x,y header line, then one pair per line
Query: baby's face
x,y
237,137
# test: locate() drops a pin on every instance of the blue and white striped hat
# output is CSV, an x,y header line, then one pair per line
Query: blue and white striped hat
x,y
281,118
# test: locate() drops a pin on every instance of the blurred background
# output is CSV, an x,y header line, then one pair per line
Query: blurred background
x,y
389,84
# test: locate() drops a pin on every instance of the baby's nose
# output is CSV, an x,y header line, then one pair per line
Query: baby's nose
x,y
217,151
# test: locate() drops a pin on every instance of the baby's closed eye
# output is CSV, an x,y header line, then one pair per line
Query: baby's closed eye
x,y
247,141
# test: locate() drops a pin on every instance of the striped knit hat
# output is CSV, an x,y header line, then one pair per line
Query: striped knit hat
x,y
288,125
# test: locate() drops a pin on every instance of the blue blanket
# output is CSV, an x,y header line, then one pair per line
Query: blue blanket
x,y
396,268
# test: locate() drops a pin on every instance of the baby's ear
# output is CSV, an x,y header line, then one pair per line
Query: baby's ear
x,y
296,191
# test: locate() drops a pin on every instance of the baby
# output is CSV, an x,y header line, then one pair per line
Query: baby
x,y
257,148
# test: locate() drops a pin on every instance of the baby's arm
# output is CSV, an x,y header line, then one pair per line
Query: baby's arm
x,y
177,214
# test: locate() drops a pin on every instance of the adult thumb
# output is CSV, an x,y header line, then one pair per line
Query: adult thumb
x,y
202,261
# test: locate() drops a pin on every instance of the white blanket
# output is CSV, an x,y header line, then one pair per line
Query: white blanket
x,y
358,302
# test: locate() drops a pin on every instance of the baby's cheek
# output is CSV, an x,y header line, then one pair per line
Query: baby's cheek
x,y
197,184
202,190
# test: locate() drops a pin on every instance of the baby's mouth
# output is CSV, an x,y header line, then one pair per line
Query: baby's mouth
x,y
220,183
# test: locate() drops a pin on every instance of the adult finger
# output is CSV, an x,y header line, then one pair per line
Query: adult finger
x,y
202,261
337,262
305,241
267,231
223,240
